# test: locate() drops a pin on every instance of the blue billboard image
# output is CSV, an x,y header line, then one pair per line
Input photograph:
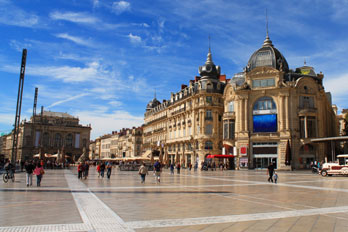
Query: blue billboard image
x,y
265,123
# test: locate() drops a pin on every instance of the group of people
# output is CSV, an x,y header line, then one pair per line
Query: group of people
x,y
82,170
157,168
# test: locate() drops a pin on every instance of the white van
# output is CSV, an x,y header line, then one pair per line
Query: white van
x,y
337,168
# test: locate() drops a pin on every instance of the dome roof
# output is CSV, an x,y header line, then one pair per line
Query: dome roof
x,y
267,56
152,104
306,70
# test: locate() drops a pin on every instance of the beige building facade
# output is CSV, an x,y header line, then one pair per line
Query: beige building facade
x,y
188,127
126,143
49,132
271,113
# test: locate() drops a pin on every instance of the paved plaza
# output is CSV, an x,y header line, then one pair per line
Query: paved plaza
x,y
191,201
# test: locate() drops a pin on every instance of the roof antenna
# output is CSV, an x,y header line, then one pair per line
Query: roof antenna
x,y
266,24
267,41
209,43
155,93
305,62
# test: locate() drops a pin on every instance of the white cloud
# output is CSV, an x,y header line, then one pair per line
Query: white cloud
x,y
14,16
134,38
67,99
70,74
120,7
75,17
104,123
75,39
337,86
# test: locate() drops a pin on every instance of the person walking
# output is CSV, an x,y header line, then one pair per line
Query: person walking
x,y
275,177
39,172
98,169
270,170
178,168
29,168
86,169
102,169
79,171
143,172
157,168
108,168
172,169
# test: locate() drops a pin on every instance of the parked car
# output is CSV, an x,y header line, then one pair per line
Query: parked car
x,y
337,168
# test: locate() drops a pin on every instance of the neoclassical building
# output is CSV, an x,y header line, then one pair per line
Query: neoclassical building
x,y
269,107
188,127
50,132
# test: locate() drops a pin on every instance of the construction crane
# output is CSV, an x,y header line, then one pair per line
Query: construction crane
x,y
19,107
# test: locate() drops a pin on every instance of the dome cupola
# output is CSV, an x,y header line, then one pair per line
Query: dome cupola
x,y
209,70
153,103
267,56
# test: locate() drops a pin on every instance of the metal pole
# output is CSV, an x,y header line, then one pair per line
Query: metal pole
x,y
18,108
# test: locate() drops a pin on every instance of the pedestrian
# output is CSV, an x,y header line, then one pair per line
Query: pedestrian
x,y
190,166
39,172
102,169
98,169
143,172
172,169
22,165
86,169
196,166
275,177
270,170
213,166
178,168
157,168
29,168
108,167
79,171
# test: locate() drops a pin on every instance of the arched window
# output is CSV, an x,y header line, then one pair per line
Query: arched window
x,y
265,115
46,139
69,140
208,145
58,140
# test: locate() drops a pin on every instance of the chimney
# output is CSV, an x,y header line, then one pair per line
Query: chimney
x,y
183,86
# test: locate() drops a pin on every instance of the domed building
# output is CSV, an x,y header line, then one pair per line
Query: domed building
x,y
271,113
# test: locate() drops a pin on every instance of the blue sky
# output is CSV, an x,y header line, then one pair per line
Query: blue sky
x,y
102,60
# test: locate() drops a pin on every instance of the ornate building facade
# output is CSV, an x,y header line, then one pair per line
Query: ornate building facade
x,y
271,113
188,127
126,143
49,132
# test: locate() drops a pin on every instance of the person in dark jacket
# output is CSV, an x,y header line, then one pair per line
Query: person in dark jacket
x,y
29,168
270,171
102,169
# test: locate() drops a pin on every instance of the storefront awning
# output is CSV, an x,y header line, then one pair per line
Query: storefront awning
x,y
220,156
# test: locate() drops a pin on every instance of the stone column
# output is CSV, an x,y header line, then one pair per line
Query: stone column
x,y
281,113
287,116
245,114
239,118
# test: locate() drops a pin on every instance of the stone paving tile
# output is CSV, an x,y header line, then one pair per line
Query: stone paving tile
x,y
177,198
